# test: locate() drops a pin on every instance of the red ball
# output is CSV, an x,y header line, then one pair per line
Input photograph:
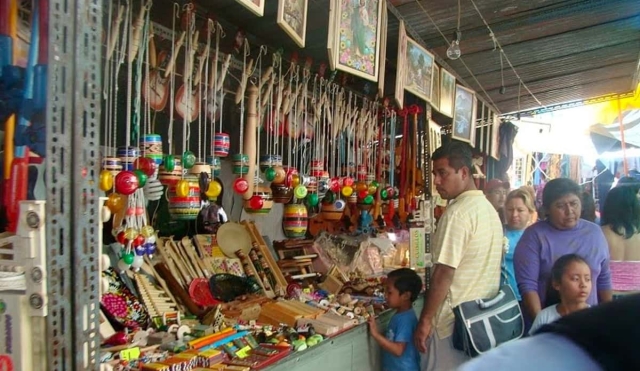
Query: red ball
x,y
363,194
126,182
256,202
120,237
241,186
138,241
347,182
147,165
335,185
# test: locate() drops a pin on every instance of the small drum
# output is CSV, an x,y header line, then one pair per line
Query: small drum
x,y
215,164
333,212
112,164
281,193
151,147
127,155
267,161
240,163
221,144
185,208
295,220
170,178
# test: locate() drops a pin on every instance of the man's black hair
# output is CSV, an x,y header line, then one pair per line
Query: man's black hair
x,y
458,153
406,280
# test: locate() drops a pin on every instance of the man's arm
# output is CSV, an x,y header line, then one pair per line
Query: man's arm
x,y
434,297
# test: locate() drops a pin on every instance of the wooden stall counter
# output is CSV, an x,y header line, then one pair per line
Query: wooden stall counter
x,y
353,350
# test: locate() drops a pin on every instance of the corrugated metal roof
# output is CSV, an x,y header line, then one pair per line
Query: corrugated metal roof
x,y
564,50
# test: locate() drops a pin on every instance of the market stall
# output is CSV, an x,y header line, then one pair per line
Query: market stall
x,y
250,200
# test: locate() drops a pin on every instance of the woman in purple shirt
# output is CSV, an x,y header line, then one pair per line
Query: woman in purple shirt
x,y
563,232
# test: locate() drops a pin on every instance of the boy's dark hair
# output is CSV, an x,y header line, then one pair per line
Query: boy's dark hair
x,y
553,296
406,280
458,153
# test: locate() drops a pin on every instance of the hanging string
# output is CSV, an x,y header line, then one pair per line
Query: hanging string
x,y
263,51
172,80
210,26
137,104
107,78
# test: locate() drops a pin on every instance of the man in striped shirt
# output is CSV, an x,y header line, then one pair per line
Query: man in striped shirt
x,y
467,250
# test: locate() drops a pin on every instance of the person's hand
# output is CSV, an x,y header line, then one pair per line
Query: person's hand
x,y
420,337
373,326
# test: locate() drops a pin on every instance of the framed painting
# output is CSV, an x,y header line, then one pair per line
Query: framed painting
x,y
402,46
292,18
435,88
464,115
447,92
495,136
357,33
255,6
383,53
418,73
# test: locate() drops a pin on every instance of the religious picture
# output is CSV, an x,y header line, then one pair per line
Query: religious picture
x,y
292,18
435,88
255,6
358,37
402,46
447,91
464,115
418,74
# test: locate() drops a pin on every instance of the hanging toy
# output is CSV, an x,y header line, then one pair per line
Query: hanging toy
x,y
213,190
126,182
112,165
105,180
188,159
240,164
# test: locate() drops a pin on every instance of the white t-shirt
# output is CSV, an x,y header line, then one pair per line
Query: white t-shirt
x,y
547,315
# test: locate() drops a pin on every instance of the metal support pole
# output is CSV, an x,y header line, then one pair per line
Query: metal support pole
x,y
73,119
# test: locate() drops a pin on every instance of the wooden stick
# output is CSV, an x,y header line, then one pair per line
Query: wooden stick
x,y
250,139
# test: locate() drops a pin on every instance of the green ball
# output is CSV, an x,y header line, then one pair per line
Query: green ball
x,y
188,159
368,200
142,177
384,194
127,258
312,199
329,197
270,174
169,162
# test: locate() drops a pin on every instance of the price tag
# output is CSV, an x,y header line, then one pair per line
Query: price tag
x,y
244,352
130,354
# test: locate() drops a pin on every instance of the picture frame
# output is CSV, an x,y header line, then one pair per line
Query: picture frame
x,y
383,53
464,115
357,34
399,91
331,34
292,18
495,136
418,70
255,6
447,92
435,88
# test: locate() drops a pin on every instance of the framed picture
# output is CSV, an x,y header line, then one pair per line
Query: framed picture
x,y
331,38
435,88
495,136
418,73
464,115
292,18
447,92
383,53
256,6
402,46
357,34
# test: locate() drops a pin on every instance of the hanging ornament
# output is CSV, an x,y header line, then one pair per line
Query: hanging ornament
x,y
361,186
182,188
329,198
300,191
270,174
334,185
348,182
295,180
373,187
120,237
214,189
256,202
146,165
188,159
169,163
347,191
106,180
126,182
312,199
384,194
240,186
362,194
368,200
240,163
115,202
150,248
142,177
127,257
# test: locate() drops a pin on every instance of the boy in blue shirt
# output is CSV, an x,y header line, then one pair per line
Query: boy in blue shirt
x,y
402,288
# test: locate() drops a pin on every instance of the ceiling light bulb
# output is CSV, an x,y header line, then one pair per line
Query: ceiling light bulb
x,y
453,52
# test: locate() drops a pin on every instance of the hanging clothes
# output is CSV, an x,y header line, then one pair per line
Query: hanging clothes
x,y
508,132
